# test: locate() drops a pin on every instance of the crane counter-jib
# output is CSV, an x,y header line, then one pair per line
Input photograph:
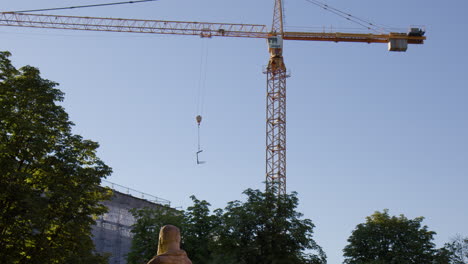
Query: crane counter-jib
x,y
351,37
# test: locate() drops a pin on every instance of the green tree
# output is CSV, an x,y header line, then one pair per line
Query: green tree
x,y
49,177
458,249
385,239
198,231
267,229
196,225
263,229
146,231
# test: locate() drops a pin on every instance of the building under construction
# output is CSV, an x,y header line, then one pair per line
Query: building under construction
x,y
112,233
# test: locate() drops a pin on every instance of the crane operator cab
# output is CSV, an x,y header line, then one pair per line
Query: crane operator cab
x,y
275,45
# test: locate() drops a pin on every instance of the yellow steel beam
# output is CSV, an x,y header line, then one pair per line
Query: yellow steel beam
x,y
352,37
203,29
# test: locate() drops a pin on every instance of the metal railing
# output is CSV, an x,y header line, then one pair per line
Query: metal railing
x,y
135,193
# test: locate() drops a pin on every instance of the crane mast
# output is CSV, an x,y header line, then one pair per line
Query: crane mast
x,y
277,24
276,107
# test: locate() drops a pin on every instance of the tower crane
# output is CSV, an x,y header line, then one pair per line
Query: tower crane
x,y
275,71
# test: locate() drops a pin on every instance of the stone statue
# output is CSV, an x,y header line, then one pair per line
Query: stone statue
x,y
169,251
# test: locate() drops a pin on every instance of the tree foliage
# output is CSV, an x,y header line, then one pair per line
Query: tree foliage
x,y
146,231
268,229
385,239
199,231
458,249
263,229
49,177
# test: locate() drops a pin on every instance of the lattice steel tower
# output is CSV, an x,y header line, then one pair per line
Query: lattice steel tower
x,y
276,107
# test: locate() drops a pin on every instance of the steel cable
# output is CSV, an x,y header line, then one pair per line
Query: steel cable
x,y
83,6
362,22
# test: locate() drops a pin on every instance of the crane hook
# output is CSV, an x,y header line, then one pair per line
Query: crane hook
x,y
199,119
198,160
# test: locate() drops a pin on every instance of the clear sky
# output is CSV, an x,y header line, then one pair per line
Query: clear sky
x,y
367,129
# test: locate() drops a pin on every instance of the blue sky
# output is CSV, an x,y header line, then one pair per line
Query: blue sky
x,y
367,129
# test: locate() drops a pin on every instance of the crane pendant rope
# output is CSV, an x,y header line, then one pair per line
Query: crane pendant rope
x,y
83,6
354,19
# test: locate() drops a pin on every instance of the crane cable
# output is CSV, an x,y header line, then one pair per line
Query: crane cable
x,y
201,91
202,74
362,22
83,6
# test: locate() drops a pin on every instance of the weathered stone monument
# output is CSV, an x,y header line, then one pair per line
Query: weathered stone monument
x,y
169,251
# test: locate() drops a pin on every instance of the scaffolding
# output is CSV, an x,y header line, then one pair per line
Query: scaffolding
x,y
112,233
